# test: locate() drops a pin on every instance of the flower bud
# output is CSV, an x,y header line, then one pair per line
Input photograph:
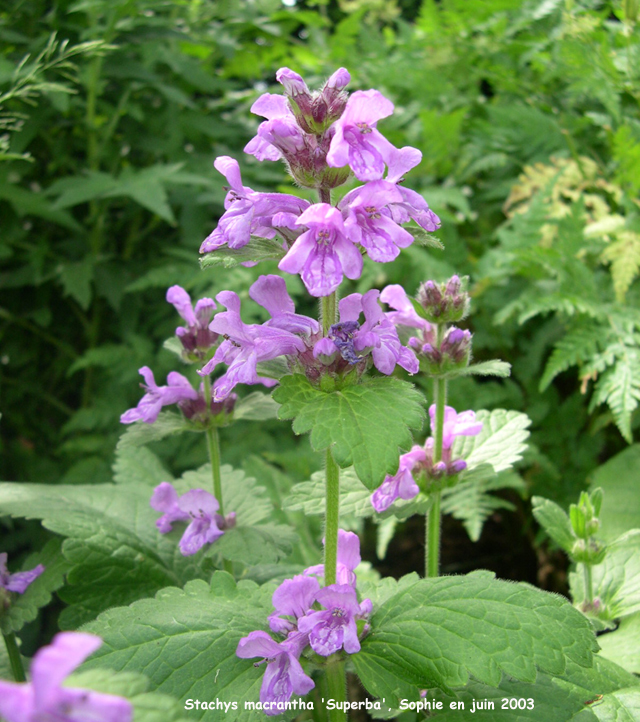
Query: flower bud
x,y
588,551
453,353
444,303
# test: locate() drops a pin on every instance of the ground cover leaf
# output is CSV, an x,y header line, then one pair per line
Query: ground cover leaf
x,y
185,642
439,632
618,479
366,424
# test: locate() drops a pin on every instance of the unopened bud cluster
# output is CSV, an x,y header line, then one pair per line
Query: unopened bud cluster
x,y
444,302
585,524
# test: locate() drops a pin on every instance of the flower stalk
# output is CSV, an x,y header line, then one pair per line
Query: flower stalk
x,y
336,682
434,517
15,660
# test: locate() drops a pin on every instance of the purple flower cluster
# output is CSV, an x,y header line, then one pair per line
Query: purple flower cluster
x,y
198,508
419,460
19,581
322,137
324,619
45,699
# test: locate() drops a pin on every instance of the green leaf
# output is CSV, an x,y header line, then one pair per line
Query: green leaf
x,y
116,552
555,521
616,581
618,479
438,632
185,641
138,465
309,497
423,238
147,706
256,407
76,280
622,645
24,607
500,443
620,706
258,249
366,425
619,388
167,424
502,369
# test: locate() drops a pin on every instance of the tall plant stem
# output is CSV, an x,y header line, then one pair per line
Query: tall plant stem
x,y
15,661
433,519
588,583
332,517
213,446
336,685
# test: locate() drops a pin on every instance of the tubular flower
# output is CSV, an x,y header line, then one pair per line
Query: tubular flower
x,y
347,560
178,389
247,211
322,254
293,598
358,143
247,345
198,507
284,675
196,338
19,581
44,698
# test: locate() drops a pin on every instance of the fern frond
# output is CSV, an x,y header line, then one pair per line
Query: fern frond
x,y
619,388
624,256
579,345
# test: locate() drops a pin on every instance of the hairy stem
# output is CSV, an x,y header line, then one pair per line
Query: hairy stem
x,y
336,690
328,311
332,517
15,660
433,519
588,583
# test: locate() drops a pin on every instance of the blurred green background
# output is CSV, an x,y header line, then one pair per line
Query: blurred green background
x,y
112,111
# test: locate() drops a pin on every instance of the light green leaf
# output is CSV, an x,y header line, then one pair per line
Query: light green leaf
x,y
620,706
256,407
168,423
258,249
366,425
185,641
309,497
147,706
138,465
554,520
502,369
619,479
622,645
500,443
438,632
423,238
24,607
616,581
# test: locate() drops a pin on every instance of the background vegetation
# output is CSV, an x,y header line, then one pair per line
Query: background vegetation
x,y
112,111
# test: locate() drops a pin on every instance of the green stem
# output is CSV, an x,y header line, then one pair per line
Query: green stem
x,y
588,583
433,519
336,689
15,660
328,311
332,518
213,446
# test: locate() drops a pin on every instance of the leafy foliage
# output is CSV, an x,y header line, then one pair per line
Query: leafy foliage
x,y
437,632
365,425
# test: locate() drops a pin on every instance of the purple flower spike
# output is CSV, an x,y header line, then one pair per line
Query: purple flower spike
x,y
335,627
198,507
401,485
284,675
462,424
177,389
19,581
247,211
44,698
357,142
323,254
348,559
293,598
